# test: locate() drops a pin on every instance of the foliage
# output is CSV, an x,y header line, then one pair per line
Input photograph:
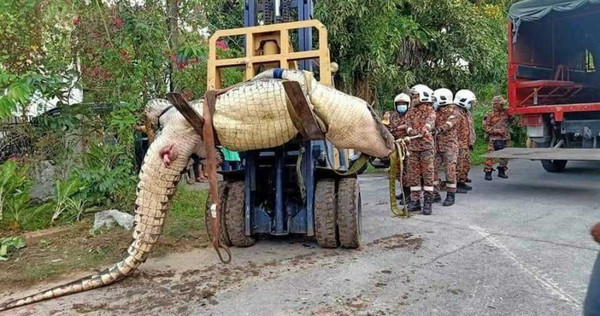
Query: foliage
x,y
106,176
17,209
447,43
13,183
64,193
9,244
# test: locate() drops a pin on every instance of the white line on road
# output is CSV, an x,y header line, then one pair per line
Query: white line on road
x,y
545,281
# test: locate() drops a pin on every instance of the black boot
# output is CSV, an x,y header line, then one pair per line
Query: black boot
x,y
427,207
502,172
468,180
460,188
449,199
414,206
488,175
404,196
437,197
465,186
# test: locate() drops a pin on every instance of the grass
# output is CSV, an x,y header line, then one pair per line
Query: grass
x,y
79,249
480,146
32,219
187,213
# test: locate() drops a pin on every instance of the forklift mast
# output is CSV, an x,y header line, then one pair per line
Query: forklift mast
x,y
277,186
282,221
282,11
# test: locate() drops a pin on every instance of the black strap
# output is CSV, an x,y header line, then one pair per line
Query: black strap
x,y
163,113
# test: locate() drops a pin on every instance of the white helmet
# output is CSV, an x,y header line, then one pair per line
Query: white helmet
x,y
424,92
402,97
442,97
465,99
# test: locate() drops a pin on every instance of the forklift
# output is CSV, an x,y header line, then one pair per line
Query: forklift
x,y
299,188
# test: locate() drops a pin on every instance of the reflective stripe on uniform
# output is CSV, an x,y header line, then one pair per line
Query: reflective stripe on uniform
x,y
451,185
428,189
415,188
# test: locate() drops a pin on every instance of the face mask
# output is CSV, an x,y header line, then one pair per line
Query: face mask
x,y
402,108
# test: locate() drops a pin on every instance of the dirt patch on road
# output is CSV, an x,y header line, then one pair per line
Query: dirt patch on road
x,y
166,291
406,240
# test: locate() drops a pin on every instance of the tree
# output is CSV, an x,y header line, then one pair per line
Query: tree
x,y
442,43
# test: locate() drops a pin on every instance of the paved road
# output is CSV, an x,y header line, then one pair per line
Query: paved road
x,y
511,247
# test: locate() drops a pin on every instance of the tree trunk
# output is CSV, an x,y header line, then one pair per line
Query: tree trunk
x,y
172,24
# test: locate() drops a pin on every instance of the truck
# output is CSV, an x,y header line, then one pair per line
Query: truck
x,y
553,82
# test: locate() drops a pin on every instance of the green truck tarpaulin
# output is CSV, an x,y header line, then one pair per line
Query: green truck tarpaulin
x,y
532,10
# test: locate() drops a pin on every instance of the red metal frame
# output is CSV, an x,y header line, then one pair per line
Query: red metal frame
x,y
557,110
515,105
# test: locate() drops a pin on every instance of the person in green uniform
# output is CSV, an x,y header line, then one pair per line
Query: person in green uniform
x,y
231,160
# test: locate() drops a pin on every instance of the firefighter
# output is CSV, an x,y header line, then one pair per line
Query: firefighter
x,y
464,99
420,120
495,126
446,140
397,127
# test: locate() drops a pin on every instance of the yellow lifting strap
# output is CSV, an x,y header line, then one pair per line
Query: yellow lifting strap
x,y
396,168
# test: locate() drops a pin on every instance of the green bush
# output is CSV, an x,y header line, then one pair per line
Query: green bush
x,y
107,177
17,210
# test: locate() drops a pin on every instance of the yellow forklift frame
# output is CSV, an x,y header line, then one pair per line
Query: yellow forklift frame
x,y
259,52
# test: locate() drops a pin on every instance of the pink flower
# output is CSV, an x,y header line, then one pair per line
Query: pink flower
x,y
117,22
222,45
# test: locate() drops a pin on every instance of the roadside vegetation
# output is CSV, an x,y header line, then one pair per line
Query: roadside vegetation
x,y
79,249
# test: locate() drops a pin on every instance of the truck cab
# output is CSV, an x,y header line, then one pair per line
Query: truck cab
x,y
554,75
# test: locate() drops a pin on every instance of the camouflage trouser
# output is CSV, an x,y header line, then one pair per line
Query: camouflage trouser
x,y
448,159
463,165
421,165
492,146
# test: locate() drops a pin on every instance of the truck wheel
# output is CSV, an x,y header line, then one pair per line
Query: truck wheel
x,y
325,214
554,165
234,215
349,212
207,217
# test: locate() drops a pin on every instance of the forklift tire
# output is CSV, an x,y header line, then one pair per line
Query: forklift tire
x,y
325,214
349,212
554,165
234,216
207,217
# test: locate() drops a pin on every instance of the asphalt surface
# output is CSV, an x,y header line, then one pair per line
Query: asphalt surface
x,y
519,246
